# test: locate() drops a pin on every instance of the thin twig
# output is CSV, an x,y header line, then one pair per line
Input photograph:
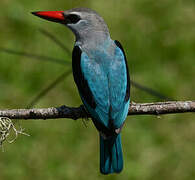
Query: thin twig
x,y
151,91
158,108
35,56
55,40
48,88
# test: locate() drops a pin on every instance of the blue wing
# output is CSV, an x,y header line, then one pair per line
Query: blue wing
x,y
103,83
120,86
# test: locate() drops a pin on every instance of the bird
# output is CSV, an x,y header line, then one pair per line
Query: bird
x,y
101,74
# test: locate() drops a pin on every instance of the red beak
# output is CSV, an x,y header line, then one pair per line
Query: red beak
x,y
55,16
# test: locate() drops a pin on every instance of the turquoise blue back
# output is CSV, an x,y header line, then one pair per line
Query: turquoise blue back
x,y
105,71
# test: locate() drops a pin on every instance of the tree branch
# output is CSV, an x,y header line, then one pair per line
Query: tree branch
x,y
79,112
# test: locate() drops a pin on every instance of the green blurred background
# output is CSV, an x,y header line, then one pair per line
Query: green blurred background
x,y
159,39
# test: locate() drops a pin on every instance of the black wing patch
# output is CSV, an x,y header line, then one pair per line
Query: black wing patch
x,y
127,96
79,78
84,89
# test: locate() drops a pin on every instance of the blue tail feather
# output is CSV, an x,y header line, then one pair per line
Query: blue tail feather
x,y
111,157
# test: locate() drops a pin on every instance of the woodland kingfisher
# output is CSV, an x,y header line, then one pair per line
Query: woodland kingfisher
x,y
100,71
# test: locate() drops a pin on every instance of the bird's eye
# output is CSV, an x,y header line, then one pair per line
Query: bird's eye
x,y
72,19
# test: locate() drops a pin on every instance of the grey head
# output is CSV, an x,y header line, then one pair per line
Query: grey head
x,y
87,25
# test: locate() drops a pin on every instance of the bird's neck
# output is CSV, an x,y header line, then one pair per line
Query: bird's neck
x,y
92,40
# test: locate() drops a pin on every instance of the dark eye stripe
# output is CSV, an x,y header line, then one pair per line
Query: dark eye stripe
x,y
72,19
